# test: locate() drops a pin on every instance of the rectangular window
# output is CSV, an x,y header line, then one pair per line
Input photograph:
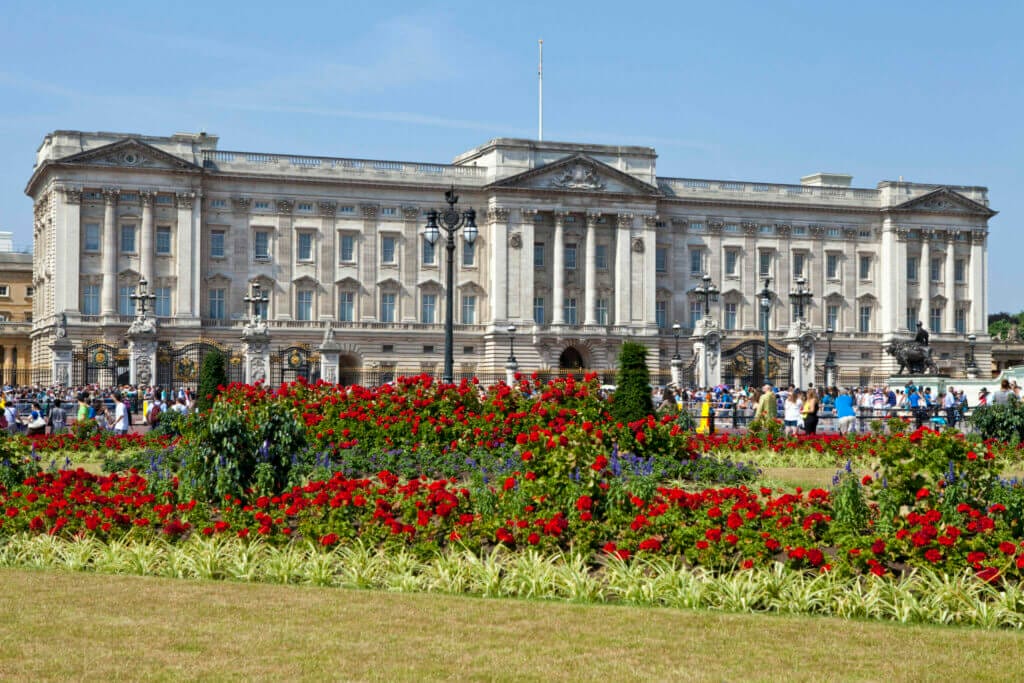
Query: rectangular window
x,y
661,314
30,291
935,319
570,257
696,312
468,253
912,268
127,239
305,251
696,261
347,249
865,319
569,310
387,308
428,308
346,306
661,259
732,259
935,269
911,317
304,305
214,203
216,301
304,207
387,249
832,317
217,244
168,199
764,264
865,267
832,266
799,259
730,315
91,300
163,240
601,256
961,321
261,205
346,209
960,270
125,302
261,245
538,310
92,236
5,291
162,304
601,311
429,253
389,211
468,310
538,254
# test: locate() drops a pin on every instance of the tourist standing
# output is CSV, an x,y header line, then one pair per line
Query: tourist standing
x,y
845,413
809,410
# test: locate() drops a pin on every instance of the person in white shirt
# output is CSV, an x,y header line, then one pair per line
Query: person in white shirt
x,y
120,415
949,405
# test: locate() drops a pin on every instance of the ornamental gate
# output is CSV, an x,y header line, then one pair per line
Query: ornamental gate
x,y
688,373
293,362
103,364
744,365
179,368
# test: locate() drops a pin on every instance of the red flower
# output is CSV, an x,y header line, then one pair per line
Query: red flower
x,y
584,503
878,547
533,539
1007,548
510,483
923,493
933,555
328,540
650,544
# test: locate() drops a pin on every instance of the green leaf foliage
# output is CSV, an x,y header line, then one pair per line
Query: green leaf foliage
x,y
212,376
632,399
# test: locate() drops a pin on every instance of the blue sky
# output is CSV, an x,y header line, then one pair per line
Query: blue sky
x,y
764,91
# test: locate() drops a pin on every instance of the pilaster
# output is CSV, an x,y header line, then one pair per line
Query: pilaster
x,y
558,271
623,289
497,219
368,263
590,273
108,296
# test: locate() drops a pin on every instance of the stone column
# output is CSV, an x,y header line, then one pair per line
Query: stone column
x,y
622,272
146,238
330,353
329,259
888,286
61,360
108,297
925,278
185,257
950,277
977,268
650,276
67,290
368,263
526,269
409,266
497,220
590,273
558,271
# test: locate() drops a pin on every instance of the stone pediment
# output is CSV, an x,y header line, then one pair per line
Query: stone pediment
x,y
946,201
130,153
577,173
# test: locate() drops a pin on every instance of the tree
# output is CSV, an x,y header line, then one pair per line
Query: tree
x,y
212,375
632,399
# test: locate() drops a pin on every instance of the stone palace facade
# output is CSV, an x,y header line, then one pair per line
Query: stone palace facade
x,y
580,247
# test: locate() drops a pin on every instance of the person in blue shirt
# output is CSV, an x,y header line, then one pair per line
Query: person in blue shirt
x,y
845,413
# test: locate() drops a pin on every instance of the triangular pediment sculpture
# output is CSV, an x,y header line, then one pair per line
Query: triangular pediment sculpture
x,y
130,153
577,173
944,200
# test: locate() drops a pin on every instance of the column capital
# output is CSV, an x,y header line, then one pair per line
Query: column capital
x,y
285,206
496,214
110,195
328,208
651,221
410,213
749,227
715,226
185,199
369,210
560,216
241,204
147,197
72,195
593,218
625,220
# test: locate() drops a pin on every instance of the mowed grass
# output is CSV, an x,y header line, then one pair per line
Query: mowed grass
x,y
61,626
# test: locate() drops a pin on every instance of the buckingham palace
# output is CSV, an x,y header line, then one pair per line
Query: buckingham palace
x,y
579,248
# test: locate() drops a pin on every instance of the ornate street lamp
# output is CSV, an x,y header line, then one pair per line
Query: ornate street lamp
x,y
256,299
972,364
766,308
801,297
142,297
708,292
830,360
450,220
511,329
675,333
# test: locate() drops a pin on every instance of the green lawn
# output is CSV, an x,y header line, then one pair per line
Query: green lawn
x,y
61,626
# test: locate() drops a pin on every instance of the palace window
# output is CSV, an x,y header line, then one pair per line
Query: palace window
x,y
91,300
428,308
730,315
304,207
125,302
911,317
261,245
696,261
764,264
163,240
346,306
305,247
468,309
961,321
935,319
832,266
601,256
468,254
935,271
865,266
865,319
569,310
162,304
832,317
661,314
799,260
347,249
696,312
538,254
304,305
538,310
661,259
960,270
601,311
732,259
388,250
215,299
912,268
387,308
570,257
217,244
429,253
127,238
92,237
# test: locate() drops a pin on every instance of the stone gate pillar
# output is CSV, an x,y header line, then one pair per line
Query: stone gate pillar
x,y
800,345
707,349
256,340
61,360
142,346
330,354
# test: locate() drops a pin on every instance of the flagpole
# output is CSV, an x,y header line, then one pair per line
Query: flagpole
x,y
540,91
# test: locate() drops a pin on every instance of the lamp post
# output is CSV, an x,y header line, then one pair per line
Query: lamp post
x,y
972,365
830,360
142,297
677,360
708,292
450,220
766,307
511,329
800,297
675,333
256,299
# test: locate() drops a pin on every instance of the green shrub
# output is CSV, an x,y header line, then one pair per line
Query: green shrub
x,y
632,399
212,376
1003,422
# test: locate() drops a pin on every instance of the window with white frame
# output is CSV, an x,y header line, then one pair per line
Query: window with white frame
x,y
935,269
127,238
696,261
696,311
214,203
865,318
91,300
388,249
538,254
217,244
92,237
305,246
468,309
764,263
261,245
832,266
304,305
799,261
162,303
304,207
570,257
428,308
163,240
5,291
661,314
864,266
538,310
125,302
912,268
387,307
429,255
960,270
468,254
389,211
347,249
935,318
601,256
601,311
961,321
730,315
661,259
763,317
732,262
30,291
569,310
346,306
261,205
832,317
216,305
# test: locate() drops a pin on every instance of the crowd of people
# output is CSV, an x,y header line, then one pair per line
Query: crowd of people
x,y
38,410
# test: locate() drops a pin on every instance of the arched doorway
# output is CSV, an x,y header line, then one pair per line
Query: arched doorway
x,y
571,359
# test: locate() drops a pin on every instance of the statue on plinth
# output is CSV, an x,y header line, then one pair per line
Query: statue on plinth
x,y
914,356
